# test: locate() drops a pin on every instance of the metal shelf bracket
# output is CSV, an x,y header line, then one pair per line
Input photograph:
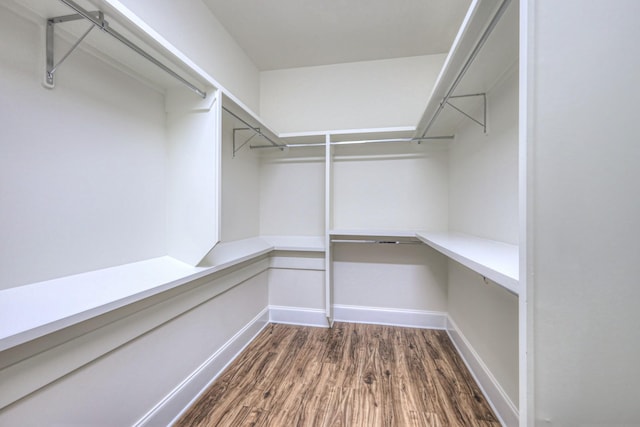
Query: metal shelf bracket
x,y
482,123
97,20
51,65
236,148
256,132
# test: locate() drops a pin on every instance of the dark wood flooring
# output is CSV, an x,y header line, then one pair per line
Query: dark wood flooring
x,y
351,375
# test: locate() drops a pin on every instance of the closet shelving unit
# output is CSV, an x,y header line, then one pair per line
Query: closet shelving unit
x,y
485,49
34,310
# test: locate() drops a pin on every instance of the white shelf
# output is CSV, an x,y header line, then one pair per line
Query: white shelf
x,y
31,311
494,59
372,234
112,51
494,260
296,243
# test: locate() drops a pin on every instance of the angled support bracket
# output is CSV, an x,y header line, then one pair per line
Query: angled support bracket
x,y
236,148
482,123
51,65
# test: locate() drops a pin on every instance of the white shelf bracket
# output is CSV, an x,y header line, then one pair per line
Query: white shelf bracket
x,y
482,123
51,66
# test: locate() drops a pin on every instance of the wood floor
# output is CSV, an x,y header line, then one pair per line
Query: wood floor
x,y
351,375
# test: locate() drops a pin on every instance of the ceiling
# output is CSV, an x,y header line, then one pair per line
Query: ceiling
x,y
278,34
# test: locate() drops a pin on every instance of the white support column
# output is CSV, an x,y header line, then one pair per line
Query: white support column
x,y
328,209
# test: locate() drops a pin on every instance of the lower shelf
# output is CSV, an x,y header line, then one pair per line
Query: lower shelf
x,y
31,311
497,261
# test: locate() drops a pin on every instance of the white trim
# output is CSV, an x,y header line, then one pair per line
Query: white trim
x,y
298,316
502,405
173,405
314,262
390,316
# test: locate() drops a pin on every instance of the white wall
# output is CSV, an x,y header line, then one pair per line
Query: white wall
x,y
370,94
82,171
296,287
121,370
292,194
406,277
240,186
191,27
487,315
483,169
583,178
483,201
376,188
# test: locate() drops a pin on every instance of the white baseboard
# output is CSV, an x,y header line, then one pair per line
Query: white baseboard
x,y
181,397
498,399
298,316
390,316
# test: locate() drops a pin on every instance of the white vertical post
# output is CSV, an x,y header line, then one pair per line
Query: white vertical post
x,y
525,321
328,208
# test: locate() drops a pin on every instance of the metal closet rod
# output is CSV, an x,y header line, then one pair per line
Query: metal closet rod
x,y
104,26
383,242
469,61
256,130
363,141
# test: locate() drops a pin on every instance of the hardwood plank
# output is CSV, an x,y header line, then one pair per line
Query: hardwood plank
x,y
350,375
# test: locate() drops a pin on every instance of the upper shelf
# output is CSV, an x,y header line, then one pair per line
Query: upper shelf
x,y
485,48
104,46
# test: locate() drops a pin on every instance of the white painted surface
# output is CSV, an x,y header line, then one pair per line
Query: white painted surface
x,y
403,191
583,175
296,288
487,315
390,316
483,169
298,316
369,94
292,196
502,405
457,77
193,184
188,391
83,169
364,234
296,243
194,30
299,33
496,261
30,311
525,236
126,381
229,253
31,366
240,187
298,260
410,277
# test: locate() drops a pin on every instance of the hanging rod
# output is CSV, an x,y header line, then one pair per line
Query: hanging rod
x,y
364,141
467,64
256,130
102,24
382,242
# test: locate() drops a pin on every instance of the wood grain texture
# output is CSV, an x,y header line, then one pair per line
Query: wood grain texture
x,y
350,375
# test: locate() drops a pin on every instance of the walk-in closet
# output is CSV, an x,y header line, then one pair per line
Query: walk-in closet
x,y
179,204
